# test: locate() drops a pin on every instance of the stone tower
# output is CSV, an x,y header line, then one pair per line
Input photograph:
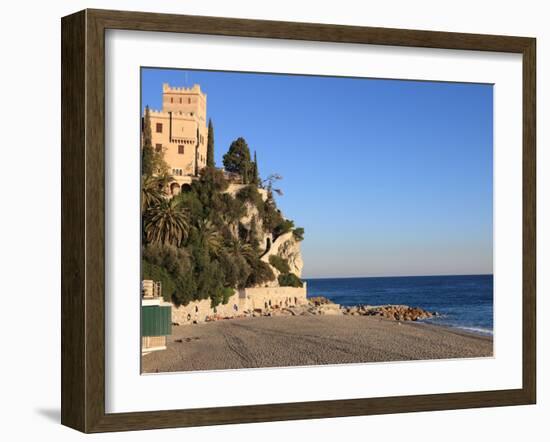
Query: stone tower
x,y
180,131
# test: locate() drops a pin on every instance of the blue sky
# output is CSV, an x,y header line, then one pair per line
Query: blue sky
x,y
388,177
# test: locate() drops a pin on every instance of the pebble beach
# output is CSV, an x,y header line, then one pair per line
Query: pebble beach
x,y
283,341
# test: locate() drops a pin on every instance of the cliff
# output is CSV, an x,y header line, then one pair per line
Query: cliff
x,y
287,248
284,246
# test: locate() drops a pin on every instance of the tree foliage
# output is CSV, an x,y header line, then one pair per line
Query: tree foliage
x,y
255,174
166,223
290,280
197,243
282,227
210,145
237,159
298,233
279,263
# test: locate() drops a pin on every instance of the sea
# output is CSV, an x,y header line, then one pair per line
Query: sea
x,y
463,301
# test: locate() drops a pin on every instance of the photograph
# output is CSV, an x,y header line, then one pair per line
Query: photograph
x,y
305,220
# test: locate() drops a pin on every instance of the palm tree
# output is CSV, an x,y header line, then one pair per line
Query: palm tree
x,y
210,237
236,248
166,223
151,195
153,189
163,180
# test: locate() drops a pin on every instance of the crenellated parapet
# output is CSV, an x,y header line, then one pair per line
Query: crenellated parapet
x,y
195,89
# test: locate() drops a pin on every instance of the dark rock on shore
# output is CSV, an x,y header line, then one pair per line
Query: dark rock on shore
x,y
393,312
319,300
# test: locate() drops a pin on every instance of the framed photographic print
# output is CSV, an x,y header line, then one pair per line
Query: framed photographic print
x,y
267,221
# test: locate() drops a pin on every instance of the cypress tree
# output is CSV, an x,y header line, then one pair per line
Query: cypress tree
x,y
147,152
210,145
255,175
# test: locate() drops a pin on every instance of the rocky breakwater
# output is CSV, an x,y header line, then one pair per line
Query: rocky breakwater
x,y
319,305
312,308
392,312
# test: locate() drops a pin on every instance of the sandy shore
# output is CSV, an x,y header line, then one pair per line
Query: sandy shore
x,y
311,340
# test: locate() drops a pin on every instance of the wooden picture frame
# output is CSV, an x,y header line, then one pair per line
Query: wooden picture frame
x,y
83,220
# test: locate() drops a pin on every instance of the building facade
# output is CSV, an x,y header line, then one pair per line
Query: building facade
x,y
180,131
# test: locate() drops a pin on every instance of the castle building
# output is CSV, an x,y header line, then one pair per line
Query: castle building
x,y
180,131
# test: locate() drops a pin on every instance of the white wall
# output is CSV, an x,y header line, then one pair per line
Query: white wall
x,y
30,364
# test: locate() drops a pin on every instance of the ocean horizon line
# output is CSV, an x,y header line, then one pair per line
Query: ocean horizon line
x,y
399,276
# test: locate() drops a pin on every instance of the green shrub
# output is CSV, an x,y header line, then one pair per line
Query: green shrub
x,y
236,270
221,297
226,208
260,273
290,280
250,194
271,216
186,289
284,226
279,263
298,233
174,259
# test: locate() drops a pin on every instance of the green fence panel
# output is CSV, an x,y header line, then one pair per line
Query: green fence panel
x,y
156,320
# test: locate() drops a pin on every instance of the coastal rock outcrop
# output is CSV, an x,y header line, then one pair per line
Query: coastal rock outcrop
x,y
288,248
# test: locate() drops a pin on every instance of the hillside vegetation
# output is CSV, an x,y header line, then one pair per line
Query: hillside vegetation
x,y
206,242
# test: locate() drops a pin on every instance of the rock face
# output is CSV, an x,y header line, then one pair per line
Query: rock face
x,y
287,248
284,246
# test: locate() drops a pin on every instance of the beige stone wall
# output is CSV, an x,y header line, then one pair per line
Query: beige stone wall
x,y
182,99
199,311
274,297
241,303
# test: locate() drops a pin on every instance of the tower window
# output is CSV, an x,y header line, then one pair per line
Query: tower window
x,y
158,147
171,99
180,100
181,149
189,101
159,128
